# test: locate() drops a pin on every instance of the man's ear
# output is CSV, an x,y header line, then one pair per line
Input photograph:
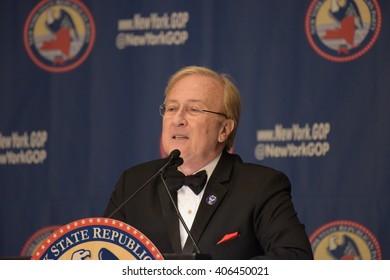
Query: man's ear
x,y
226,129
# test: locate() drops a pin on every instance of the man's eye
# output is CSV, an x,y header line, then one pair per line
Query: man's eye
x,y
194,110
171,109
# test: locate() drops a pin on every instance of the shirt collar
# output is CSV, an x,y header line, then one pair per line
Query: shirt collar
x,y
210,167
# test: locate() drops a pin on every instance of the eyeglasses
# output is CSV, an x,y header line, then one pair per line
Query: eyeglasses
x,y
171,110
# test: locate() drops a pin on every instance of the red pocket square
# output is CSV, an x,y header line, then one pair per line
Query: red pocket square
x,y
228,237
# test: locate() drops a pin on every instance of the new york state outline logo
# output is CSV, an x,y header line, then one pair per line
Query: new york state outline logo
x,y
342,30
59,35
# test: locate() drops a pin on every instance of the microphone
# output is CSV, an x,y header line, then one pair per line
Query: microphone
x,y
177,162
174,159
197,250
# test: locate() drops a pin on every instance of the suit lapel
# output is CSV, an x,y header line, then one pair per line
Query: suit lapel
x,y
170,217
215,191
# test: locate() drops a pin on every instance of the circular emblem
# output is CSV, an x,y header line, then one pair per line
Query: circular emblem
x,y
211,199
344,240
343,30
59,35
36,240
97,239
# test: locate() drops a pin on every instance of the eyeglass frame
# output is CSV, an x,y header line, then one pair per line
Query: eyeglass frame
x,y
162,109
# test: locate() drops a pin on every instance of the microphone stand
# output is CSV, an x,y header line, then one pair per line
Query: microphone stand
x,y
192,256
180,216
173,158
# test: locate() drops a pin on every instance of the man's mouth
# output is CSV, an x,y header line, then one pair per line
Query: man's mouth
x,y
180,137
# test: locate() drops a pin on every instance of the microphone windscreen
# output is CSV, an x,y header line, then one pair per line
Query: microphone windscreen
x,y
174,154
177,162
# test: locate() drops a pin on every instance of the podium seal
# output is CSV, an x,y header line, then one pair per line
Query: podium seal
x,y
97,239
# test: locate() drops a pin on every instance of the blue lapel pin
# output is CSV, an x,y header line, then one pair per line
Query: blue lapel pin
x,y
211,199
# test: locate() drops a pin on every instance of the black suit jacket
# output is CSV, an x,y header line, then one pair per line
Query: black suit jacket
x,y
253,203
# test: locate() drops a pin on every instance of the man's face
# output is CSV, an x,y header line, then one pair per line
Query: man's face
x,y
199,136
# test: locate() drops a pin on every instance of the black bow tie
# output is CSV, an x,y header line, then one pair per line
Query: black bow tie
x,y
176,179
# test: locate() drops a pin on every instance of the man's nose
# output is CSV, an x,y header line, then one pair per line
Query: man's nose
x,y
180,117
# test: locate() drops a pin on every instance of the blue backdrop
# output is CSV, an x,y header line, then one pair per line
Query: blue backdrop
x,y
81,82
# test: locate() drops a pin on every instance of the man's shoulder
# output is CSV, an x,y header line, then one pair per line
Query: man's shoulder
x,y
250,168
236,160
146,167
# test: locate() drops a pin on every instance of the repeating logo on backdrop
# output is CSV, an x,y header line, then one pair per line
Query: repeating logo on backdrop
x,y
344,240
97,239
343,30
59,35
35,240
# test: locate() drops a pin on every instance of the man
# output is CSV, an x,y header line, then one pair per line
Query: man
x,y
243,212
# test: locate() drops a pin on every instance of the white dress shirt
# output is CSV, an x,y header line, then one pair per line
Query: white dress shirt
x,y
188,202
